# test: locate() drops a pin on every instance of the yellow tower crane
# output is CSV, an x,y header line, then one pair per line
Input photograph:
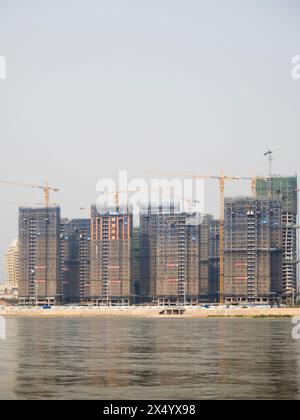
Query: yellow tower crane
x,y
222,179
116,194
45,188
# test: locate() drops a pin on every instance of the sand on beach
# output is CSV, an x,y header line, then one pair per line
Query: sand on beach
x,y
147,312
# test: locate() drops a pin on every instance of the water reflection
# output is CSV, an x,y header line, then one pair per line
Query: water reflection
x,y
149,359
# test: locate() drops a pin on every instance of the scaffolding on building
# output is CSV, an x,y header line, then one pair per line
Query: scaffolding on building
x,y
253,250
286,190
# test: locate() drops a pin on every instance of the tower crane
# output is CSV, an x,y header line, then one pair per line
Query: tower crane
x,y
222,179
45,188
116,194
190,202
269,156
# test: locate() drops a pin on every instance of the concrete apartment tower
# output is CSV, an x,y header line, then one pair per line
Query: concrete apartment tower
x,y
136,261
252,250
174,258
286,190
39,255
214,261
75,244
111,258
12,265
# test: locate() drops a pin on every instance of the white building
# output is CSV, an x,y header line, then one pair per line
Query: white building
x,y
12,265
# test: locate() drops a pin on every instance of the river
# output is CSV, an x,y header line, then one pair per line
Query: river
x,y
102,358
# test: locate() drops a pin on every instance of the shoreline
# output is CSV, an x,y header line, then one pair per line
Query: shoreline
x,y
148,312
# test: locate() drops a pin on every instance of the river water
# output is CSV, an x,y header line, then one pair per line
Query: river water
x,y
101,358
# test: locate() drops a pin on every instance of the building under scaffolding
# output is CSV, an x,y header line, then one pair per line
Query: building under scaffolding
x,y
204,255
174,258
136,258
285,189
214,262
39,256
75,259
111,258
252,250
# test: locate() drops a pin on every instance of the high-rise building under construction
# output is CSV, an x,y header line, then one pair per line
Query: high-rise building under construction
x,y
286,190
174,257
75,259
252,250
39,255
214,261
136,260
111,258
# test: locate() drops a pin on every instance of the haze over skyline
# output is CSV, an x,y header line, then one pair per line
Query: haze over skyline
x,y
95,87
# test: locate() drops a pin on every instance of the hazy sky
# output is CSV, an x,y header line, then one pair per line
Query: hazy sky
x,y
96,86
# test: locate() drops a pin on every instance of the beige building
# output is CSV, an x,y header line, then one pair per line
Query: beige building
x,y
12,265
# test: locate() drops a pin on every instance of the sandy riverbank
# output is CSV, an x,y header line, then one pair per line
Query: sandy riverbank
x,y
146,312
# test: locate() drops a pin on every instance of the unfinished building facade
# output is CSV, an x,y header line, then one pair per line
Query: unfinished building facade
x,y
214,261
286,190
39,256
174,258
75,259
136,258
111,258
252,251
